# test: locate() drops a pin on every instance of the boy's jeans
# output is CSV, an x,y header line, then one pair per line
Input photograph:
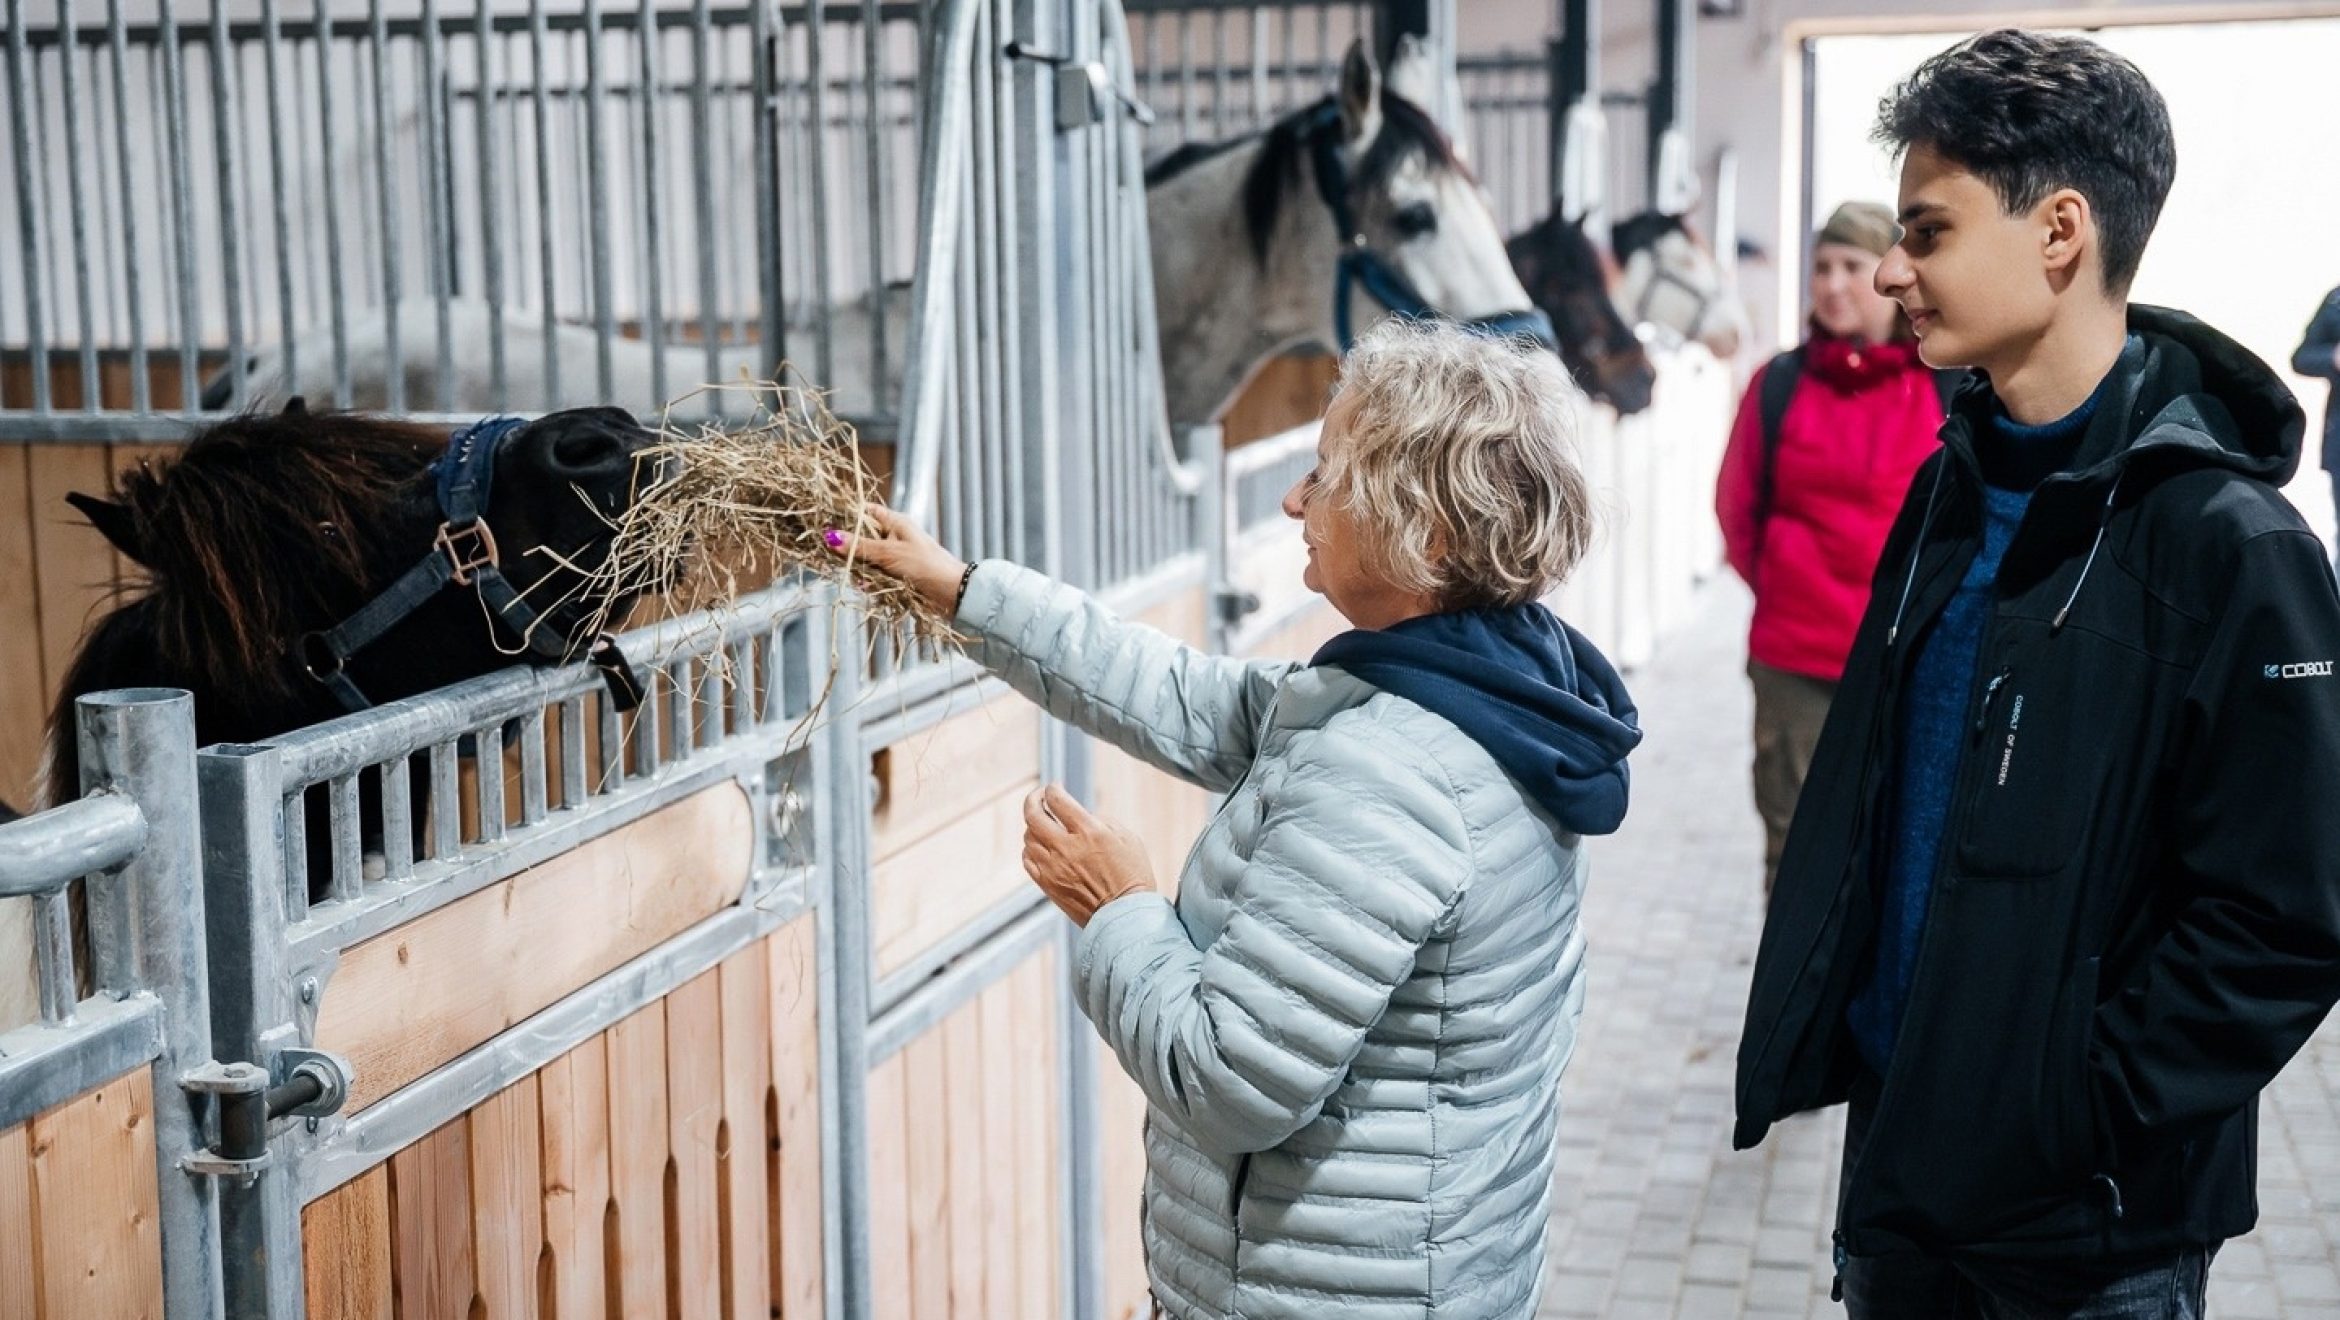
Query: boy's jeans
x,y
1932,1288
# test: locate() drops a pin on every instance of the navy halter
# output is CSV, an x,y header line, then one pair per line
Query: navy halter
x,y
1360,265
463,554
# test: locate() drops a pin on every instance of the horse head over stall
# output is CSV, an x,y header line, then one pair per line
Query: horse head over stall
x,y
303,565
1563,270
1399,227
1673,282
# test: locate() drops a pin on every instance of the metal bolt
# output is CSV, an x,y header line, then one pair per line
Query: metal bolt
x,y
308,989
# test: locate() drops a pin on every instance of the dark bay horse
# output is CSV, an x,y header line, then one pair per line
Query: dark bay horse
x,y
269,532
1563,271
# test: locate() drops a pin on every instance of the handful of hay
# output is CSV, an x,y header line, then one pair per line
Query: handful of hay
x,y
740,505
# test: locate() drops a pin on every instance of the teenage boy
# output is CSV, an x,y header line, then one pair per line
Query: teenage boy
x,y
2063,892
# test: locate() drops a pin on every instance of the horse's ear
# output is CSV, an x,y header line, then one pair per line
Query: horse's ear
x,y
113,521
1360,94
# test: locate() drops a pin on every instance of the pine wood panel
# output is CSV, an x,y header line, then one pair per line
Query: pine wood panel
x,y
996,1012
660,1168
73,566
889,1189
936,886
694,1117
930,780
431,1268
507,1202
959,1124
19,1259
796,1079
573,1107
411,999
346,1253
1035,1081
95,1206
1281,393
637,1162
927,1079
24,698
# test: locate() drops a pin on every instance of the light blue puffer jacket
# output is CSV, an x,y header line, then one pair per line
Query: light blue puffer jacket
x,y
1351,1026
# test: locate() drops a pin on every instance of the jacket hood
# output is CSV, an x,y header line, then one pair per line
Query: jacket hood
x,y
2181,395
1542,700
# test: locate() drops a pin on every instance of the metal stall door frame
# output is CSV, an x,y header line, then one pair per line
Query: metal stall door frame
x,y
133,836
730,704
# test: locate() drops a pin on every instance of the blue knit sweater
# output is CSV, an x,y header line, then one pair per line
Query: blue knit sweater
x,y
1932,742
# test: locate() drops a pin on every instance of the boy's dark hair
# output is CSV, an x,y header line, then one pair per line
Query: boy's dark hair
x,y
2031,112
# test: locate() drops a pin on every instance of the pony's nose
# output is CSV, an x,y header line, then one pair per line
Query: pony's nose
x,y
596,442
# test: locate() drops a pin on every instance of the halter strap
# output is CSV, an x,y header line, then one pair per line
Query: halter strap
x,y
463,554
1360,266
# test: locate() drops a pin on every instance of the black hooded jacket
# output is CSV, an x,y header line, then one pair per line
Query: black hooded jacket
x,y
2136,920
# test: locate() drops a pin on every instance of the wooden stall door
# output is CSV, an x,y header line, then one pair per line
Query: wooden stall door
x,y
669,1166
965,1159
79,1213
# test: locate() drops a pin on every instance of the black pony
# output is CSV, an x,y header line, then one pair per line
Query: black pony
x,y
268,529
1562,270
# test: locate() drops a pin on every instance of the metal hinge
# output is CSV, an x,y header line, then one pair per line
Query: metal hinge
x,y
1235,604
246,1099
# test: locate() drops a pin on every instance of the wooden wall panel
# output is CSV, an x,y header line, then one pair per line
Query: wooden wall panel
x,y
409,1000
1281,393
19,1250
346,1257
796,1078
24,697
628,1177
889,1189
431,1262
94,1204
944,881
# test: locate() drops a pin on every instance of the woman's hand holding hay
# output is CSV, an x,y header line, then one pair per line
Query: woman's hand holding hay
x,y
900,548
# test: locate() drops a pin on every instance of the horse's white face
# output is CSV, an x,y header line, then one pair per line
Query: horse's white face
x,y
1434,225
1678,287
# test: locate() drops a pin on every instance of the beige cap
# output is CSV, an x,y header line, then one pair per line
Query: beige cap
x,y
1864,225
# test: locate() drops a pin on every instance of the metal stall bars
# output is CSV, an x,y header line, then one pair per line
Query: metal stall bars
x,y
440,207
133,834
310,930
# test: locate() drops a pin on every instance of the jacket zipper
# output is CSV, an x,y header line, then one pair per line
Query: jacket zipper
x,y
1258,744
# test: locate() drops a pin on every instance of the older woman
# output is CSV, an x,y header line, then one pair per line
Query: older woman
x,y
1350,1026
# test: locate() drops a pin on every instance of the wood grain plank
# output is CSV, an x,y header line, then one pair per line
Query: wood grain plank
x,y
1280,393
996,1010
430,1211
930,779
1036,1085
19,1261
927,1175
407,1001
958,1110
637,1161
889,1191
95,1207
744,1156
73,566
573,1118
345,1250
947,879
796,1087
694,1119
25,697
507,1194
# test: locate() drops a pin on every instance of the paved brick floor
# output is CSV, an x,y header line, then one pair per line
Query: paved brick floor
x,y
1657,1216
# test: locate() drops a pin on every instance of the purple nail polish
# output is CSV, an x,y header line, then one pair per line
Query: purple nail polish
x,y
835,538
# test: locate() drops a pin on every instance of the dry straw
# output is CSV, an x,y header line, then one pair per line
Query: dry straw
x,y
743,504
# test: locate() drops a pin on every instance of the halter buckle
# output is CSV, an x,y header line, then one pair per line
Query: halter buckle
x,y
468,548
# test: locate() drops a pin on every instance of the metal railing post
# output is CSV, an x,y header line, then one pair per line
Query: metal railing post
x,y
146,926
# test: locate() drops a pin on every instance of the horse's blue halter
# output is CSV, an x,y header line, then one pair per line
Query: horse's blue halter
x,y
1360,265
462,554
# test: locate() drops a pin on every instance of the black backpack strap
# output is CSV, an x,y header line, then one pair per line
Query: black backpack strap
x,y
1779,386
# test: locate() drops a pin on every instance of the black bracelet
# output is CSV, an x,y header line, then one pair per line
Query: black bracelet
x,y
959,601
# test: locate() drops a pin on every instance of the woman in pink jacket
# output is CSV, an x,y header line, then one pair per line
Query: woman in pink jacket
x,y
1827,439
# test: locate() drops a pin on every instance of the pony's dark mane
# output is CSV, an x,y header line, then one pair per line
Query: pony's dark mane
x,y
1283,166
1634,233
309,496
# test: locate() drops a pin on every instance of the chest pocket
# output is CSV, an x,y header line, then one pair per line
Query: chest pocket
x,y
2061,733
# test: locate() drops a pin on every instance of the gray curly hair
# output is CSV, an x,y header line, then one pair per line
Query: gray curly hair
x,y
1460,463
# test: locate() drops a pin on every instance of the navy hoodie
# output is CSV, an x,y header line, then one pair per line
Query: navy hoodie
x,y
1543,701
